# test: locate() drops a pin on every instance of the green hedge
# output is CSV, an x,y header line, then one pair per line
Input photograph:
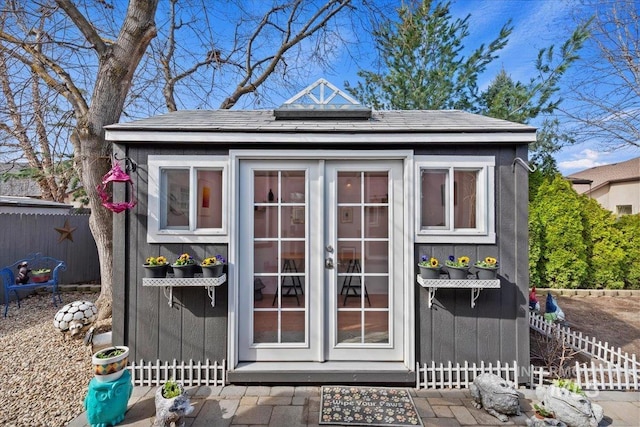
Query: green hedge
x,y
576,243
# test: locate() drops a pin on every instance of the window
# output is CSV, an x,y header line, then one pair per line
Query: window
x,y
187,197
455,199
623,210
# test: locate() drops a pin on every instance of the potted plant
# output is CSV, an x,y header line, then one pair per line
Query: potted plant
x,y
41,275
213,266
429,267
541,413
156,267
109,363
185,266
458,268
487,268
172,404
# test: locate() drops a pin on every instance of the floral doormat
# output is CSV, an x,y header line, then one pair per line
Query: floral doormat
x,y
368,406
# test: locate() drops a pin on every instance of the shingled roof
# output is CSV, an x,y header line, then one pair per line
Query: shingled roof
x,y
607,174
262,121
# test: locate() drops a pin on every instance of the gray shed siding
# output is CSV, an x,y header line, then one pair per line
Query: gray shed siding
x,y
496,329
142,319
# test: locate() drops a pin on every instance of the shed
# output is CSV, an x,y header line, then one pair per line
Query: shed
x,y
323,208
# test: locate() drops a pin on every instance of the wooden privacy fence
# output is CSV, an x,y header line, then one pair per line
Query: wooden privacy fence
x,y
23,234
189,374
612,370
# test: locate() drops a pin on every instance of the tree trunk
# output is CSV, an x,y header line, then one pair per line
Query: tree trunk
x,y
117,63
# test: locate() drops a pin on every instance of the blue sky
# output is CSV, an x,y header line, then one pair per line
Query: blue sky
x,y
537,24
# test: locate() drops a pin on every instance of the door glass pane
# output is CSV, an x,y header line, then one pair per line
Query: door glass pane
x,y
265,327
376,221
434,192
265,186
293,221
376,187
280,264
349,189
376,257
376,327
264,289
378,291
176,208
349,221
209,198
464,198
265,222
349,327
362,282
293,326
265,257
293,187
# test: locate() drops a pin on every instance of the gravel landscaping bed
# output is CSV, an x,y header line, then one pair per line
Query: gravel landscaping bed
x,y
43,377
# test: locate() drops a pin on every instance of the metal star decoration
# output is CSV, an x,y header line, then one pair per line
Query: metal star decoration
x,y
65,232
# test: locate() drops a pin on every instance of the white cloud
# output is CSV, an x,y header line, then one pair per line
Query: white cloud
x,y
584,160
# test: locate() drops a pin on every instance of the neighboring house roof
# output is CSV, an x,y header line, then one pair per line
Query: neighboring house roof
x,y
265,121
17,187
11,204
607,174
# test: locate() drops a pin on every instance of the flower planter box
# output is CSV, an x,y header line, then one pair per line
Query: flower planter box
x,y
486,273
184,271
155,271
41,278
107,369
430,272
212,270
458,273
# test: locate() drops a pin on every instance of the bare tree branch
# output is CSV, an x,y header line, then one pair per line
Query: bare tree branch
x,y
606,88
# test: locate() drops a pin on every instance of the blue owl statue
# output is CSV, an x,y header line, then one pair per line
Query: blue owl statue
x,y
106,402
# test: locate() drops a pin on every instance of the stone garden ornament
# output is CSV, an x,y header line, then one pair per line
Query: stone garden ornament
x,y
73,317
496,395
574,409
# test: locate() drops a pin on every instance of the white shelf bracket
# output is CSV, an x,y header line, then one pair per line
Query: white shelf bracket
x,y
475,286
211,290
432,295
475,293
168,283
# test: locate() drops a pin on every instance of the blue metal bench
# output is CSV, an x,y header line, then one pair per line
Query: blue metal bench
x,y
35,262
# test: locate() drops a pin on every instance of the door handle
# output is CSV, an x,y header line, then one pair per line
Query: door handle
x,y
328,263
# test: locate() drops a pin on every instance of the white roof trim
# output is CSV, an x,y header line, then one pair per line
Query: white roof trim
x,y
310,137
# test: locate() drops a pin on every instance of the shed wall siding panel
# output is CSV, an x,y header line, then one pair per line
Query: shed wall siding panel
x,y
496,328
450,331
191,329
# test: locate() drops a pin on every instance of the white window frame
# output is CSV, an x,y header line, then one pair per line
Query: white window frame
x,y
191,235
485,231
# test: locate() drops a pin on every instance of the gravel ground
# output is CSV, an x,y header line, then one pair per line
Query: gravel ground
x,y
43,377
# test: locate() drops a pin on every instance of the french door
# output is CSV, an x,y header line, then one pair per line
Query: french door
x,y
321,259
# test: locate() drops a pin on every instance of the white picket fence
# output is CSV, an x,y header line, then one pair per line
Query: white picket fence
x,y
613,369
594,376
588,346
434,375
189,374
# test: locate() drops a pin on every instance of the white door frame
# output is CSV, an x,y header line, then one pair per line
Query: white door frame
x,y
235,156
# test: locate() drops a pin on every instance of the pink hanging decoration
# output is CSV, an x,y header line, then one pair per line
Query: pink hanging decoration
x,y
116,174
